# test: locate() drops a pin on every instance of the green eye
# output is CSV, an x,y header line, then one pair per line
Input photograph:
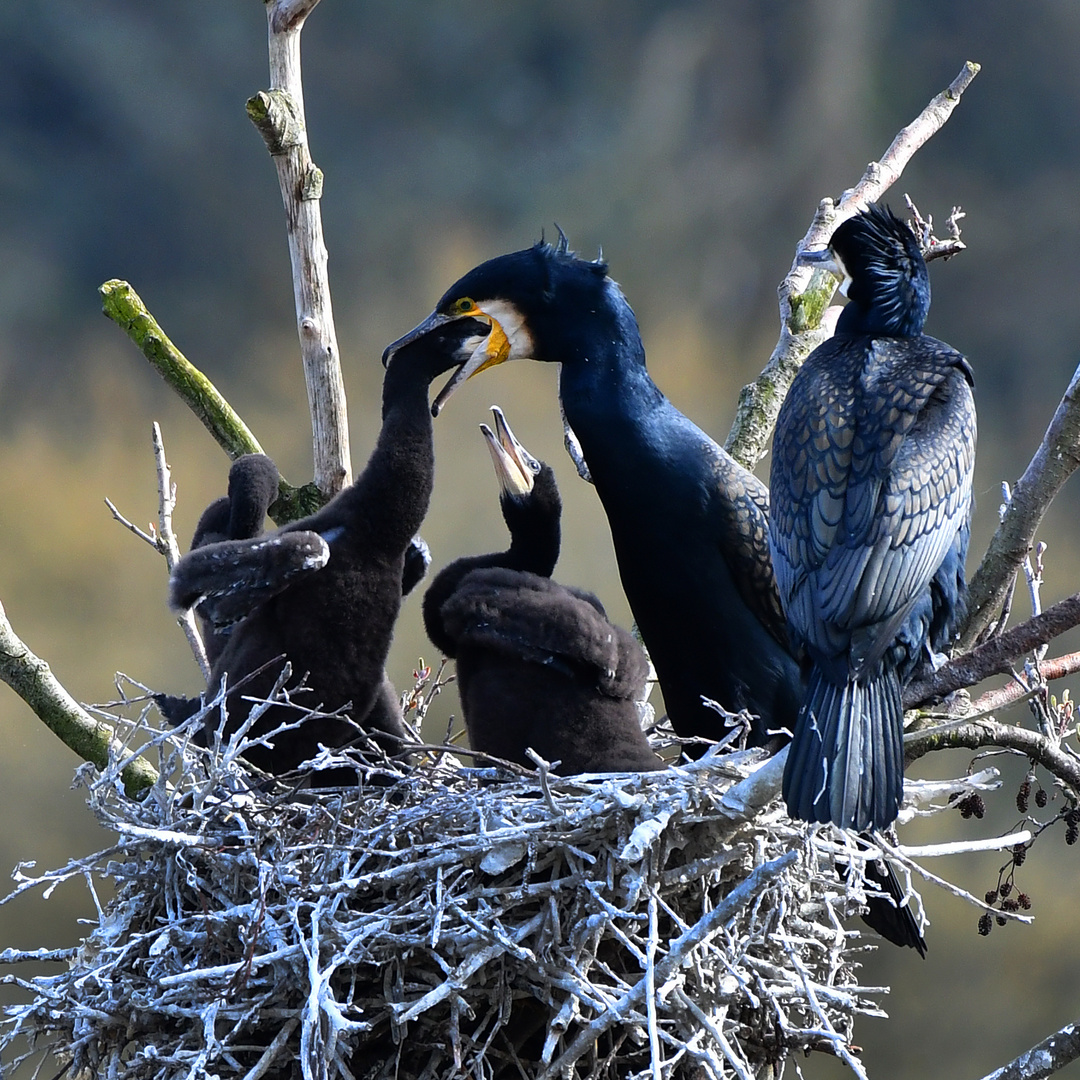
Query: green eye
x,y
464,306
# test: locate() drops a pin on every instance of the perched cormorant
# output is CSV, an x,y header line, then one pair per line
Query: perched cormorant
x,y
871,500
538,664
324,592
688,523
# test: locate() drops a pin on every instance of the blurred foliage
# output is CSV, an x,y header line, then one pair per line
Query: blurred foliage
x,y
691,140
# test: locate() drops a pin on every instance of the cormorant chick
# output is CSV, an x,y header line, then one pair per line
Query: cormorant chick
x,y
871,500
239,515
538,664
689,524
324,592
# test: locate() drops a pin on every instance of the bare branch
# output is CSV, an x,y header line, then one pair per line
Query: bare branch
x,y
30,677
1054,462
1057,668
279,116
1048,1057
805,293
976,734
993,656
168,546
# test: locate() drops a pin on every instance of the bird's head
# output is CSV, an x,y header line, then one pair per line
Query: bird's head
x,y
884,274
529,497
515,468
523,306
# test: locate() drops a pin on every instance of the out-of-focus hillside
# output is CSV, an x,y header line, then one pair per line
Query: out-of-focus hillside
x,y
690,140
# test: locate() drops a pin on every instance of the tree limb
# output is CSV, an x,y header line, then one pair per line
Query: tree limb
x,y
1054,462
993,656
1040,1061
999,698
123,305
976,734
30,677
279,116
805,293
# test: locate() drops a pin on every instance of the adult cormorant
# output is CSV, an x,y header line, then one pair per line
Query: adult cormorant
x,y
538,664
324,592
871,500
688,523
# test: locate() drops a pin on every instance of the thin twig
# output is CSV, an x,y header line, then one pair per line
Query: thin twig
x,y
171,549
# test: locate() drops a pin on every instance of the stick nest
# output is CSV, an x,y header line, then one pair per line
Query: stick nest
x,y
441,921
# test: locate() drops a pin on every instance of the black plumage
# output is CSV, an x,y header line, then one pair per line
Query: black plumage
x,y
689,524
871,499
538,664
324,592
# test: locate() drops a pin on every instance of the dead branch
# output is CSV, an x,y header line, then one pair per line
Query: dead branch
x,y
1048,1057
805,293
279,116
1053,463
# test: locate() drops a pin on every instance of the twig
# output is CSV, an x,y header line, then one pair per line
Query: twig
x,y
122,304
993,656
278,113
1009,694
741,895
1054,462
1048,1057
805,293
171,550
29,676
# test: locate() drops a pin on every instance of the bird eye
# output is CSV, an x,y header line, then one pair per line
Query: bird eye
x,y
464,306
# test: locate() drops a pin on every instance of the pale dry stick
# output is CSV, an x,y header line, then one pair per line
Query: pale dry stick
x,y
899,856
278,113
168,546
804,294
1054,462
710,924
1044,1060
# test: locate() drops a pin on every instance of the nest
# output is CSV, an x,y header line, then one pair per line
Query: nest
x,y
440,921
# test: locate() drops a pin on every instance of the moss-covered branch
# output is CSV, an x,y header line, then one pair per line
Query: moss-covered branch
x,y
31,678
122,304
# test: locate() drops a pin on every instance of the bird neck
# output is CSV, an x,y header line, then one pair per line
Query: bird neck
x,y
893,304
385,506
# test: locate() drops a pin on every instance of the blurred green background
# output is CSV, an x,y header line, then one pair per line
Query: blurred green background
x,y
692,141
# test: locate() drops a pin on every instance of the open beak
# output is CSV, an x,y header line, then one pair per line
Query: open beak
x,y
476,352
515,467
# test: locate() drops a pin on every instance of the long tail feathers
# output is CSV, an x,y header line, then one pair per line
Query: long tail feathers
x,y
846,762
